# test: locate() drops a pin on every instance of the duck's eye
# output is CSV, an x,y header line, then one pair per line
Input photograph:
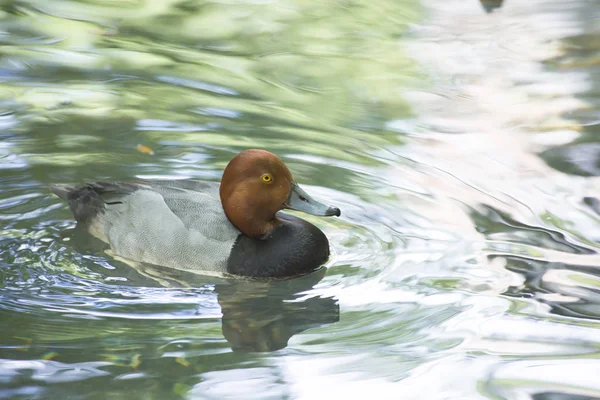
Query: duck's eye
x,y
267,178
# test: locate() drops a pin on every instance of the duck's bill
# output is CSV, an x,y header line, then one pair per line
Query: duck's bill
x,y
299,200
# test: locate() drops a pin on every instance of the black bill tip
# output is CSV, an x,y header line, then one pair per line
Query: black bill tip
x,y
334,211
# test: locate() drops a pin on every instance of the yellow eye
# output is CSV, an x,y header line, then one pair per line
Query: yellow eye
x,y
266,178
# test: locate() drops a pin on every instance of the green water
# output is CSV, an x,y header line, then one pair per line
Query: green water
x,y
460,141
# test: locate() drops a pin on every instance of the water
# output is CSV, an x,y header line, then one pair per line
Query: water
x,y
460,140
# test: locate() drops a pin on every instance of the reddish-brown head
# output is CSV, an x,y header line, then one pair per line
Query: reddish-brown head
x,y
255,185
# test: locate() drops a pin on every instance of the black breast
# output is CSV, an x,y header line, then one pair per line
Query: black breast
x,y
295,247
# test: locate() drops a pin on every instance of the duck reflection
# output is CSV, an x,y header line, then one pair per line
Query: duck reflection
x,y
258,315
263,316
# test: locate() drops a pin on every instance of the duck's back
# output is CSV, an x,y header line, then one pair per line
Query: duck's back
x,y
178,224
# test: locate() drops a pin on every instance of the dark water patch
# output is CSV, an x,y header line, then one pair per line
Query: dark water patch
x,y
498,225
562,396
570,290
578,159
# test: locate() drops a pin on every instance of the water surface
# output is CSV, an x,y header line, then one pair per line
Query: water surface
x,y
459,138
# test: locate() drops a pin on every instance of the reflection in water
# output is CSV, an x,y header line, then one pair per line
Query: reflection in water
x,y
577,159
264,316
259,315
569,290
491,5
561,396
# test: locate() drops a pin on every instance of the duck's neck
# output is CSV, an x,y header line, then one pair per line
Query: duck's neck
x,y
251,221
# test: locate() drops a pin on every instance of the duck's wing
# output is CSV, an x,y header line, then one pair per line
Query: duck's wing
x,y
180,224
197,204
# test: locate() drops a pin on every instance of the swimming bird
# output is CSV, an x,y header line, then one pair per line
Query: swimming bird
x,y
232,228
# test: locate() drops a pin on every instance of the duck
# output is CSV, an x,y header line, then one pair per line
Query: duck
x,y
232,228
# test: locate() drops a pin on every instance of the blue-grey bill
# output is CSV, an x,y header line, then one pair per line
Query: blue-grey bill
x,y
299,200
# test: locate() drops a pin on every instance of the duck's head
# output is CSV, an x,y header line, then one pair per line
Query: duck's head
x,y
255,185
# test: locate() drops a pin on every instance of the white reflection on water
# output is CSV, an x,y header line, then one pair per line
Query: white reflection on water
x,y
475,142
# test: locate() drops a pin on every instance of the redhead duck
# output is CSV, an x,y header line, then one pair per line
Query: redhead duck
x,y
232,228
